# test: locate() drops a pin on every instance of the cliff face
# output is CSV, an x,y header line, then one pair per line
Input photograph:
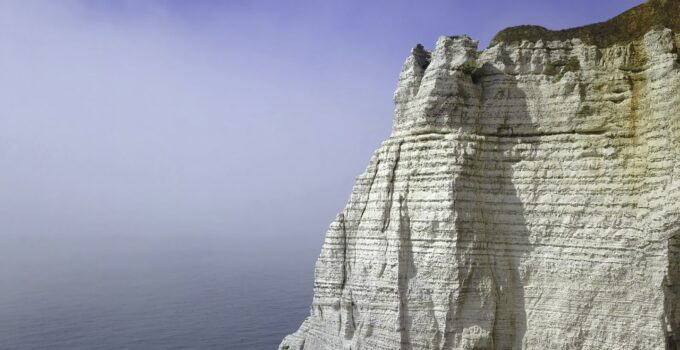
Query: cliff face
x,y
527,198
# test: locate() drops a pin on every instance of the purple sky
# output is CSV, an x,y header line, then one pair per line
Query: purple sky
x,y
247,120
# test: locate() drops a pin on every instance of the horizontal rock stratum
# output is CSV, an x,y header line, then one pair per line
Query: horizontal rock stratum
x,y
527,198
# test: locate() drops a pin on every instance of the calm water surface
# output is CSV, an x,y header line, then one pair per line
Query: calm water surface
x,y
147,294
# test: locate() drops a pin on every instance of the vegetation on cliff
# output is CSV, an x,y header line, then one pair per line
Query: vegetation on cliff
x,y
626,27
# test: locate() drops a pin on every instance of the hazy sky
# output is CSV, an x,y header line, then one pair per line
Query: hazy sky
x,y
246,120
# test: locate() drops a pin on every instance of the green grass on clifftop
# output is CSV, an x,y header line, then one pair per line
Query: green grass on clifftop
x,y
624,28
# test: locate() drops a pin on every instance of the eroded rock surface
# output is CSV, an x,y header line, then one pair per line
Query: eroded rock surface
x,y
527,198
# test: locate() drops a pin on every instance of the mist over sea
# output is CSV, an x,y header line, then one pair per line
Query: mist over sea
x,y
147,293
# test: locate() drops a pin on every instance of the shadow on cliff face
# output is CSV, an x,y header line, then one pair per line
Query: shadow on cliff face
x,y
492,237
672,291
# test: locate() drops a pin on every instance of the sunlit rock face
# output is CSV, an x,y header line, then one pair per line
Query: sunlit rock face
x,y
527,198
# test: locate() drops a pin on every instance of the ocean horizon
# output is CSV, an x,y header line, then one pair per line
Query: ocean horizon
x,y
154,293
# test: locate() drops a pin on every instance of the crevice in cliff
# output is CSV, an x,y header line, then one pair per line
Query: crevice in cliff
x,y
637,83
448,322
390,189
370,188
406,270
349,323
347,320
341,218
422,59
671,288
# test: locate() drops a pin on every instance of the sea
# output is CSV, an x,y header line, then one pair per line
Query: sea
x,y
149,293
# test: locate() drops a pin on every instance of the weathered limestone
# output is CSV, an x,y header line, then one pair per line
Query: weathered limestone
x,y
527,198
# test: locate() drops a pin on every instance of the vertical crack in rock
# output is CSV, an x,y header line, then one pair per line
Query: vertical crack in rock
x,y
347,319
671,286
390,189
343,242
410,80
637,86
421,59
406,270
370,188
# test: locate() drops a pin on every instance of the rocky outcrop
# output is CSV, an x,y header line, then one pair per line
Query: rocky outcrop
x,y
527,198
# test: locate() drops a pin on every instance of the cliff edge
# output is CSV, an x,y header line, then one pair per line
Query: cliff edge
x,y
528,197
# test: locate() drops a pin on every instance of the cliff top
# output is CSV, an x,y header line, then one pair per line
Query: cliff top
x,y
626,27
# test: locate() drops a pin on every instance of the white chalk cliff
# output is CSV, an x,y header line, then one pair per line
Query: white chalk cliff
x,y
527,198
